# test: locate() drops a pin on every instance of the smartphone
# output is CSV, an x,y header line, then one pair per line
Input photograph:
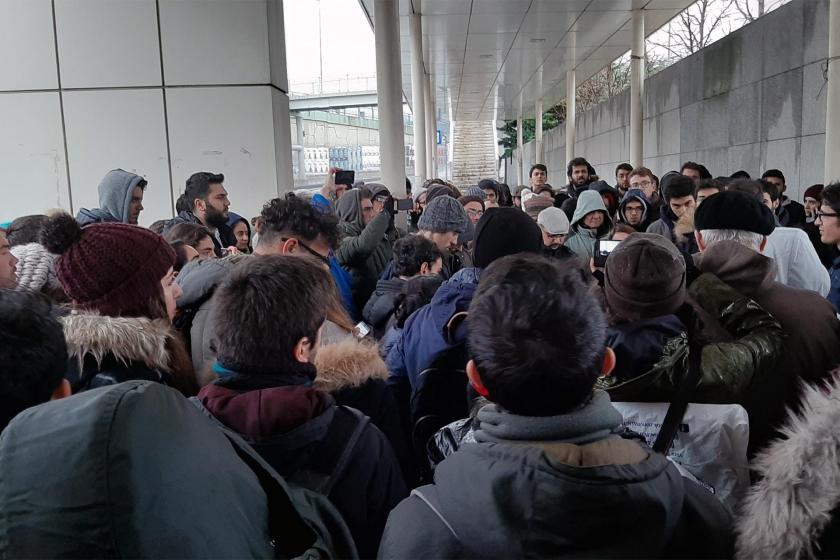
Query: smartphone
x,y
345,178
603,248
404,204
362,330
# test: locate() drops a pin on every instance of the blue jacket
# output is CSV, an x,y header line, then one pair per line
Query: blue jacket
x,y
342,283
834,292
423,338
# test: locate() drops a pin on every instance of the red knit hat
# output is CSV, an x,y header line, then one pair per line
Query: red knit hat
x,y
113,268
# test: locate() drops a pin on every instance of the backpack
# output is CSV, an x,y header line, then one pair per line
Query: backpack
x,y
134,470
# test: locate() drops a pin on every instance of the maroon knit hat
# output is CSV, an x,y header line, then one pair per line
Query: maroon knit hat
x,y
112,268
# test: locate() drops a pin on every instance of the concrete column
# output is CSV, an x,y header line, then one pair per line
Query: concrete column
x,y
300,142
279,97
520,151
832,113
389,93
418,104
539,157
637,89
430,127
571,87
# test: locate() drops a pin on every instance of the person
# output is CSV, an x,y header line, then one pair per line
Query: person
x,y
289,226
505,196
474,207
184,254
492,193
611,197
622,178
25,229
621,232
643,179
8,264
120,199
535,204
554,226
828,220
442,222
33,351
578,172
330,192
707,188
414,294
36,271
368,235
589,224
538,176
241,230
740,174
274,308
731,231
517,195
205,202
549,470
693,171
812,199
121,282
634,210
680,200
194,235
790,212
413,256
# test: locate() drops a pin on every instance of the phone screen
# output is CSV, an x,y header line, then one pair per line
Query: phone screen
x,y
602,250
345,178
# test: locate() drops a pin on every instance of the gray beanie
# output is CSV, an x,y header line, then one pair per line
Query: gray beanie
x,y
443,214
35,267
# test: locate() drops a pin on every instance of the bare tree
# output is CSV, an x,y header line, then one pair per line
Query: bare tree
x,y
751,10
696,27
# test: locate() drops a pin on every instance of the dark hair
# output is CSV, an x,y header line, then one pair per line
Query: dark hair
x,y
25,229
680,186
466,199
577,162
407,186
694,166
180,249
411,252
716,184
537,335
158,226
189,233
740,174
644,172
771,189
198,186
539,166
704,173
831,196
748,187
182,204
775,173
623,167
296,217
622,228
267,305
415,293
32,350
505,196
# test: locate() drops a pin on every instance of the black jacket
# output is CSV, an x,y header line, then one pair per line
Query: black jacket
x,y
382,304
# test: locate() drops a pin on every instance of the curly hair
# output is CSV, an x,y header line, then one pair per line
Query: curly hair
x,y
296,217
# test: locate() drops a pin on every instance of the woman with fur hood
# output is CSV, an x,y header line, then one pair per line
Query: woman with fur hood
x,y
121,282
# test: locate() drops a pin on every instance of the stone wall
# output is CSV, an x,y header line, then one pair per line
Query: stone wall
x,y
753,100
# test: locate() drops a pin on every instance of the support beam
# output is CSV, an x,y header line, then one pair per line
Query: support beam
x,y
430,127
301,155
520,152
637,89
571,88
418,104
539,156
832,113
389,89
283,163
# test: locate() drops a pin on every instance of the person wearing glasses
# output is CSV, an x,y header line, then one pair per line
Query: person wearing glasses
x,y
828,220
634,210
643,179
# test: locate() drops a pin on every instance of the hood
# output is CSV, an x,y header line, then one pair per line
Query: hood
x,y
667,216
115,193
234,218
377,189
454,296
127,339
95,216
199,279
348,208
742,268
590,201
634,194
787,510
539,499
346,364
639,346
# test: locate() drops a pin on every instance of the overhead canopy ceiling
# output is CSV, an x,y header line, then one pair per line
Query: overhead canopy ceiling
x,y
493,59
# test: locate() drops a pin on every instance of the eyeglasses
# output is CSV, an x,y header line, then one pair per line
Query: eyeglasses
x,y
310,250
629,210
821,215
641,184
556,236
473,212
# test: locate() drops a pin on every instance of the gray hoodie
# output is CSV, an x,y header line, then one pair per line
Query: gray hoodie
x,y
581,240
115,192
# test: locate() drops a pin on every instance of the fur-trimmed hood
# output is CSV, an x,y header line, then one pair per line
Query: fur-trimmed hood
x,y
786,513
127,339
348,363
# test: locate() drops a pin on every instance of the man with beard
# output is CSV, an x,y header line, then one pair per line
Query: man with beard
x,y
578,172
209,203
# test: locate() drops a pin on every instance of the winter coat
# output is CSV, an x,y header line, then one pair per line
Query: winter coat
x,y
537,494
106,350
286,422
604,189
794,509
382,304
581,240
639,346
791,213
834,291
731,370
808,320
638,195
570,196
365,250
678,229
115,193
797,263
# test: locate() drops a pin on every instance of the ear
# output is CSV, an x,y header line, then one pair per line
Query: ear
x,y
302,350
609,363
424,268
62,391
198,204
763,245
289,246
475,380
699,239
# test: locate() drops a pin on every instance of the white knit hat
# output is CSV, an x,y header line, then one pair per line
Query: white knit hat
x,y
35,267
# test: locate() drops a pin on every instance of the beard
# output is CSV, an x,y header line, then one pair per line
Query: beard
x,y
214,218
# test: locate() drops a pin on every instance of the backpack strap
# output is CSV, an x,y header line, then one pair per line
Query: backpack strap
x,y
679,404
434,505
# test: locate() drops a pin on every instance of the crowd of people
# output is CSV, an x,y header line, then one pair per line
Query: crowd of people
x,y
338,378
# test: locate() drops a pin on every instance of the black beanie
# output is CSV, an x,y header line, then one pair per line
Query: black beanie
x,y
734,210
502,232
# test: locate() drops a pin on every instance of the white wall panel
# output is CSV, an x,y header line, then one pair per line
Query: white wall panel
x,y
118,129
228,130
214,41
27,45
31,155
104,43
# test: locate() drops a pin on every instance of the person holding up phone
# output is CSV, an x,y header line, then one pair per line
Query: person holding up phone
x,y
336,184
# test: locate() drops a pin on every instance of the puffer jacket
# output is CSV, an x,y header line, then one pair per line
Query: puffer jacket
x,y
581,241
365,250
381,306
729,369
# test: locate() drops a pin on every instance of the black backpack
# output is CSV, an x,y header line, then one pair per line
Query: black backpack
x,y
135,470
